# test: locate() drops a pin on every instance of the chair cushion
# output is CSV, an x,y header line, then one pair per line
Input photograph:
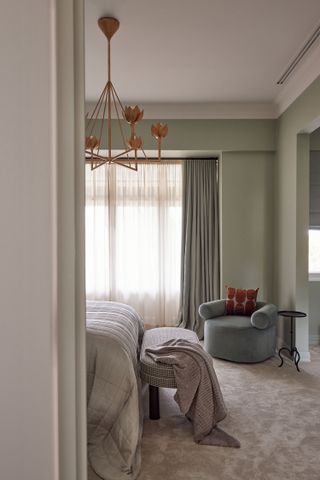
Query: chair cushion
x,y
160,374
241,302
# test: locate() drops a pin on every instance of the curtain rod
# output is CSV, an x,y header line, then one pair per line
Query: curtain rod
x,y
142,160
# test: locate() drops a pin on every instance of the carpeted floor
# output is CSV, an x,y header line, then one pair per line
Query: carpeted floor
x,y
274,412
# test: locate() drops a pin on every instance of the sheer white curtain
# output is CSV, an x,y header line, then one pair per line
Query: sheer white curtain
x,y
133,238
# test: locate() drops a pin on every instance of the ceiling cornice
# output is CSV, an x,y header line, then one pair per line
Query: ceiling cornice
x,y
304,75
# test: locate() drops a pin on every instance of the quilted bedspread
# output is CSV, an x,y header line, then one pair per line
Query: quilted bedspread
x,y
114,334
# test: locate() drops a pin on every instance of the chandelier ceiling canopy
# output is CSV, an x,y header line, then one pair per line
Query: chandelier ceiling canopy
x,y
99,148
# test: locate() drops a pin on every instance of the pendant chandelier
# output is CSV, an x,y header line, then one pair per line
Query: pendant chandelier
x,y
99,149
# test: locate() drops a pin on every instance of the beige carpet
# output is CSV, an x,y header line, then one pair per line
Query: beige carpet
x,y
274,412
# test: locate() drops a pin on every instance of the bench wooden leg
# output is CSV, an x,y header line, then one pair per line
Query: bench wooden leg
x,y
154,408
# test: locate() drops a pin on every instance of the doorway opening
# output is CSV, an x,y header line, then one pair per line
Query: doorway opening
x,y
314,243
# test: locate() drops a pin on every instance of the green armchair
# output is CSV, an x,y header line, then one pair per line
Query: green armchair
x,y
239,338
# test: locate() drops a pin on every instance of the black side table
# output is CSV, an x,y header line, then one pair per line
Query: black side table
x,y
293,351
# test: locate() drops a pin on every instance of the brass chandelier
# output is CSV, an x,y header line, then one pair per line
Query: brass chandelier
x,y
99,123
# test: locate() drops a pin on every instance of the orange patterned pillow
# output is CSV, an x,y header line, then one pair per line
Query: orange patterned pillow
x,y
241,302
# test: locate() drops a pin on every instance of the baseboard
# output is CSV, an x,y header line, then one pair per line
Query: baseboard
x,y
305,356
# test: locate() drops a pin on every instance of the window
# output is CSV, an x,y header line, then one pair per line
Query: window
x,y
133,238
314,254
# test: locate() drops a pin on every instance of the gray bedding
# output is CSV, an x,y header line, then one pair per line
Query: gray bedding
x,y
114,334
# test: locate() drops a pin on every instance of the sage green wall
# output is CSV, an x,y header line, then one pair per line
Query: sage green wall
x,y
292,212
219,135
315,140
247,221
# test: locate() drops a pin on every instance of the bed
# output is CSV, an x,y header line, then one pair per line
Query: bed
x,y
114,334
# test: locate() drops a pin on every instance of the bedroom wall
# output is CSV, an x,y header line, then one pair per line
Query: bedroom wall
x,y
247,221
292,212
315,140
212,135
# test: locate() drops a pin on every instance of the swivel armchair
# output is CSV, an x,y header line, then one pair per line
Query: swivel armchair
x,y
239,338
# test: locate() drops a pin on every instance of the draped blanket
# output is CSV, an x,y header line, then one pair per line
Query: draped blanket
x,y
114,333
198,392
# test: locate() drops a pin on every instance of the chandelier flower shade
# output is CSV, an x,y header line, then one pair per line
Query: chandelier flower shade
x,y
99,148
133,114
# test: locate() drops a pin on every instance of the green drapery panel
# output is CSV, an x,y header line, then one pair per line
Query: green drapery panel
x,y
200,262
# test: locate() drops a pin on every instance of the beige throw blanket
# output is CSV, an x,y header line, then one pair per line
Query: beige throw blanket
x,y
198,392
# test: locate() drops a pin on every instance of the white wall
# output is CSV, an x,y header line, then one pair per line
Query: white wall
x,y
247,221
39,190
27,363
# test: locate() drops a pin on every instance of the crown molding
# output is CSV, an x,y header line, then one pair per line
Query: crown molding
x,y
303,76
209,110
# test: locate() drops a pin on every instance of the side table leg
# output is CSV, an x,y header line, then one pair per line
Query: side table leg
x,y
154,408
296,358
279,353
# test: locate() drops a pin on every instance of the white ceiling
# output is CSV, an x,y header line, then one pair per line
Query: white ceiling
x,y
199,52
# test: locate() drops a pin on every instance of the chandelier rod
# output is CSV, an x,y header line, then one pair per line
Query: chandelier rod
x,y
109,99
113,91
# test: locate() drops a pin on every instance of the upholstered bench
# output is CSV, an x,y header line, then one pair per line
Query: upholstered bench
x,y
159,374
